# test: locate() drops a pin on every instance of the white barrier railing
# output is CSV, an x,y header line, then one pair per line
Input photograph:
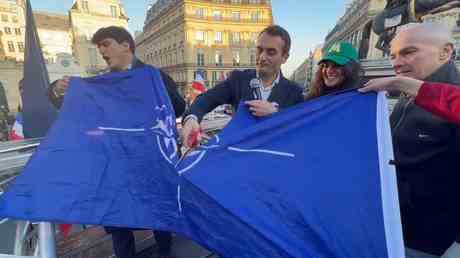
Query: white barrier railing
x,y
31,240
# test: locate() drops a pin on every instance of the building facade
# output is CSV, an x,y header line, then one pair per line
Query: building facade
x,y
452,19
65,40
355,26
86,17
55,34
300,73
305,73
209,37
12,29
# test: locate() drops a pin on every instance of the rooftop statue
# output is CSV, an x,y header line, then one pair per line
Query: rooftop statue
x,y
400,12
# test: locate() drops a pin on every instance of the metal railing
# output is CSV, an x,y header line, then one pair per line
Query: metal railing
x,y
31,240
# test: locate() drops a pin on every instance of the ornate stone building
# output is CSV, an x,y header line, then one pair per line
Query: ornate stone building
x,y
210,37
86,17
355,26
305,73
12,29
61,36
55,34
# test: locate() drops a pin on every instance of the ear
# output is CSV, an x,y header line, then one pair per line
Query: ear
x,y
446,52
285,57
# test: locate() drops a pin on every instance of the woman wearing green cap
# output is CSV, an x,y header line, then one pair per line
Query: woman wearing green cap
x,y
339,69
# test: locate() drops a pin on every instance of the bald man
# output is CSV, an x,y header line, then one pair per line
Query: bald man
x,y
426,147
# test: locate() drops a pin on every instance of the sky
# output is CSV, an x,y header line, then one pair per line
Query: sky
x,y
308,22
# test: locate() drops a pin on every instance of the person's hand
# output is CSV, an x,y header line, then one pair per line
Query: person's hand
x,y
191,133
453,251
61,86
407,85
261,107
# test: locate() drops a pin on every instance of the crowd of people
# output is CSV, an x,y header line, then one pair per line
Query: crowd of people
x,y
424,123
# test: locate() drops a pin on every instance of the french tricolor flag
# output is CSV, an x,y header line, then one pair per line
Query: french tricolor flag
x,y
16,132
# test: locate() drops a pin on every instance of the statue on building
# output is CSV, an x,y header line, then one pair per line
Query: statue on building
x,y
400,12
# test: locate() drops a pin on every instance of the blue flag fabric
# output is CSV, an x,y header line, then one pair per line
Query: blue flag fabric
x,y
311,181
38,112
108,159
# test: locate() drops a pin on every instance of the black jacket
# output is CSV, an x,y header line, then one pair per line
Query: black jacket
x,y
176,99
427,155
236,89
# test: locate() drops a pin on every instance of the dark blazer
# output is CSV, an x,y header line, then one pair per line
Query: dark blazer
x,y
171,87
236,89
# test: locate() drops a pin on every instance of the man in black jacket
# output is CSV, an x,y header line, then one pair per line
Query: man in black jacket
x,y
426,147
117,47
264,90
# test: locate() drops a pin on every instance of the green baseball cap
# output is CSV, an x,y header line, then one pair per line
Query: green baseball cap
x,y
340,53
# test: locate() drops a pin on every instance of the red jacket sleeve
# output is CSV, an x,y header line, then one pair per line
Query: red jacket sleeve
x,y
440,99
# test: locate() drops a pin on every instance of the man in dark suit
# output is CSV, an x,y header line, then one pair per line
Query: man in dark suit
x,y
117,47
265,90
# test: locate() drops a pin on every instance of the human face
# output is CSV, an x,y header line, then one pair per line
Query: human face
x,y
118,56
270,55
333,74
417,57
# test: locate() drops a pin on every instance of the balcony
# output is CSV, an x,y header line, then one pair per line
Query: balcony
x,y
211,19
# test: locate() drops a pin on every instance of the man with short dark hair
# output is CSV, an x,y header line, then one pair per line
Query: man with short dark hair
x,y
117,47
264,90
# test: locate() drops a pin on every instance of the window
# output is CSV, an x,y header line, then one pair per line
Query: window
x,y
254,36
14,19
84,6
218,37
252,58
214,76
199,36
11,46
203,74
236,1
254,1
217,15
4,18
21,47
113,11
236,58
236,37
219,58
200,57
255,16
199,12
236,16
17,31
8,30
92,56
